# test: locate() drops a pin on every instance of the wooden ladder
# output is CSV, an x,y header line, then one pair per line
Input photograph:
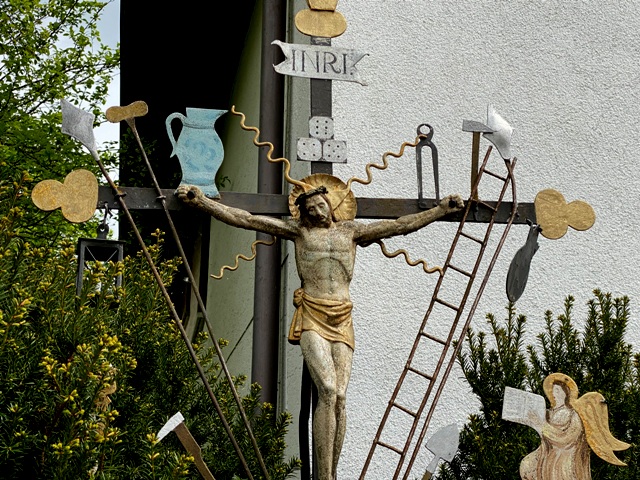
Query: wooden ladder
x,y
414,373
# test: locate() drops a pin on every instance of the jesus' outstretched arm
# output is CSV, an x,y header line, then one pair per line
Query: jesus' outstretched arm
x,y
367,233
236,217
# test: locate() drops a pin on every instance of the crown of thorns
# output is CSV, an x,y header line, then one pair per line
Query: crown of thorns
x,y
303,196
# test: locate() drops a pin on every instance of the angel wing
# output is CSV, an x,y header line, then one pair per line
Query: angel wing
x,y
594,414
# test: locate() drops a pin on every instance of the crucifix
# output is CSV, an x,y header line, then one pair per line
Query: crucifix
x,y
323,64
323,229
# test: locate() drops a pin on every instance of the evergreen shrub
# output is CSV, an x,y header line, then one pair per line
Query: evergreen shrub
x,y
86,381
597,358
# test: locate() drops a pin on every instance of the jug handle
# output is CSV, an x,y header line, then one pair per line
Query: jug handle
x,y
167,122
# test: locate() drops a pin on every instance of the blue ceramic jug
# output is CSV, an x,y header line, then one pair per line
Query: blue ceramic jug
x,y
199,148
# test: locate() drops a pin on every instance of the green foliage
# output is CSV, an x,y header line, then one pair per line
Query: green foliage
x,y
87,380
598,359
49,50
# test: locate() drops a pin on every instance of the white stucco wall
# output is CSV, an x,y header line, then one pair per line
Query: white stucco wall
x,y
564,74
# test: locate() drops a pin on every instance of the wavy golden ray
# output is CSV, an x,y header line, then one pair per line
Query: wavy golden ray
x,y
258,143
244,257
410,262
385,163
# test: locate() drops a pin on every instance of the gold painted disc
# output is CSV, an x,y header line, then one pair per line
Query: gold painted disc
x,y
320,23
555,215
136,109
343,201
322,4
77,196
47,195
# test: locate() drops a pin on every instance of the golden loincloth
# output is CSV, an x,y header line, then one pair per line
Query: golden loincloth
x,y
331,319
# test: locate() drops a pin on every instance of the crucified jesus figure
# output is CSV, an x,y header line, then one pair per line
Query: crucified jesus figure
x,y
325,252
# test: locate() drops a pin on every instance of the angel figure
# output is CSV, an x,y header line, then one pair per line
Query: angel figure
x,y
569,431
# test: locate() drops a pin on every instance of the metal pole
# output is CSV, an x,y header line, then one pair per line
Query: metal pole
x,y
266,304
321,104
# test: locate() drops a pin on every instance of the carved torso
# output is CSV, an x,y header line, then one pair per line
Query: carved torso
x,y
325,258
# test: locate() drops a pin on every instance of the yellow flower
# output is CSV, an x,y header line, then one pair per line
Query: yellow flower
x,y
71,396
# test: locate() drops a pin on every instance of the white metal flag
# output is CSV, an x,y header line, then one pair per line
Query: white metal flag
x,y
318,61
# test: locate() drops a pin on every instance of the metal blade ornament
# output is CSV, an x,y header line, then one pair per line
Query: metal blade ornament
x,y
502,132
171,424
78,124
444,445
176,424
518,273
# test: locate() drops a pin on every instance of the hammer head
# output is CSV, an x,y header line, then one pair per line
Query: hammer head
x,y
475,127
171,424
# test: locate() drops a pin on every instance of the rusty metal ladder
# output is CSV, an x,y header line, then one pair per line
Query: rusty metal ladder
x,y
457,332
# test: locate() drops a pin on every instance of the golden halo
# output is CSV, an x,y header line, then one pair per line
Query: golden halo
x,y
547,386
343,201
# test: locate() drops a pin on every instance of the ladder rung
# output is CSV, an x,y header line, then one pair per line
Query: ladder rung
x,y
447,304
471,237
486,205
459,270
386,445
495,175
435,339
405,410
422,374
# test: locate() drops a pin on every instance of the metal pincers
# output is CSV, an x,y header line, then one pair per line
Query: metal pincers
x,y
425,141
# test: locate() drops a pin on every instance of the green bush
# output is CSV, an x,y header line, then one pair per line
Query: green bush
x,y
87,381
598,359
49,51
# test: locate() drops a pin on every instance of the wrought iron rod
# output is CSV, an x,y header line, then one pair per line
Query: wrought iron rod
x,y
173,311
277,205
196,291
267,278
